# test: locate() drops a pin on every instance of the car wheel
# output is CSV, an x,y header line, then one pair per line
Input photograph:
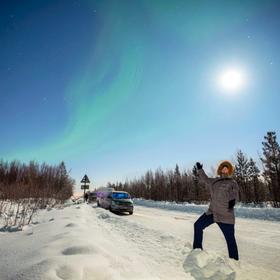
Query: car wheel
x,y
130,213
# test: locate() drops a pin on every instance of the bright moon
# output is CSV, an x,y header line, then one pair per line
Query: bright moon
x,y
231,80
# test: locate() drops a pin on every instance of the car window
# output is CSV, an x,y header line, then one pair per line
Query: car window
x,y
120,195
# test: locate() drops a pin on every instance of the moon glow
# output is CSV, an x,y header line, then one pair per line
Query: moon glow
x,y
231,80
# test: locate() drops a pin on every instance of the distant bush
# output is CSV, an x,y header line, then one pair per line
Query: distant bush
x,y
25,188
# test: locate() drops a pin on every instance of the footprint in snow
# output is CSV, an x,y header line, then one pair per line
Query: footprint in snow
x,y
67,272
186,249
103,216
98,272
167,238
79,250
71,225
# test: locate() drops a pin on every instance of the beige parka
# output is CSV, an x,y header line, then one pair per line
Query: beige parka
x,y
222,190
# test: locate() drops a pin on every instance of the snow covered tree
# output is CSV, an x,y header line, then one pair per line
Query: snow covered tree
x,y
241,174
186,185
66,183
256,185
160,184
177,184
148,180
271,162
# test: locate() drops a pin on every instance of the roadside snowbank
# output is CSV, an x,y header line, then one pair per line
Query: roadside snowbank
x,y
264,213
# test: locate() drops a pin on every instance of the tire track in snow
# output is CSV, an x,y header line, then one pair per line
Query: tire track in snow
x,y
162,248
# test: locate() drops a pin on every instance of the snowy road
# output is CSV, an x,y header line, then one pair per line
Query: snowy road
x,y
85,242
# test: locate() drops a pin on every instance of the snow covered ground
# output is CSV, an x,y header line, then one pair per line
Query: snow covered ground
x,y
86,242
242,211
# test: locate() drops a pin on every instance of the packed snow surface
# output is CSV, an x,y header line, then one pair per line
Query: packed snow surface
x,y
86,242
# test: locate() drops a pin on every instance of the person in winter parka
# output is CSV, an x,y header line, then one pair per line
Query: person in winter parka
x,y
223,196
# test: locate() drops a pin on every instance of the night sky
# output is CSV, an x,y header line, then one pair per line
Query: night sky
x,y
114,88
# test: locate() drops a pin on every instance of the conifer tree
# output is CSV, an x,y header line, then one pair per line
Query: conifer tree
x,y
256,186
241,175
177,184
271,161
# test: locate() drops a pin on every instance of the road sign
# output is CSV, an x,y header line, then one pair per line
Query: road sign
x,y
85,180
85,185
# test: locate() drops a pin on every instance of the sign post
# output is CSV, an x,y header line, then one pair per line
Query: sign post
x,y
85,185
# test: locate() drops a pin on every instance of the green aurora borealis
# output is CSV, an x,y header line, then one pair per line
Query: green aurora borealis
x,y
142,94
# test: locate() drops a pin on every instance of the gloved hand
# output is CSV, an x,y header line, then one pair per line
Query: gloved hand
x,y
231,204
199,165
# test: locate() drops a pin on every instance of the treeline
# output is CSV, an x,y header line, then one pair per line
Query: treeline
x,y
25,188
256,184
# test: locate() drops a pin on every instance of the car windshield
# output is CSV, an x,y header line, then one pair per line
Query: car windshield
x,y
120,195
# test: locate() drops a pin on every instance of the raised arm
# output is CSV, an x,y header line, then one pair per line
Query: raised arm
x,y
202,177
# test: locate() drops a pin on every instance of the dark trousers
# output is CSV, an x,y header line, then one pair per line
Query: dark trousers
x,y
228,230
